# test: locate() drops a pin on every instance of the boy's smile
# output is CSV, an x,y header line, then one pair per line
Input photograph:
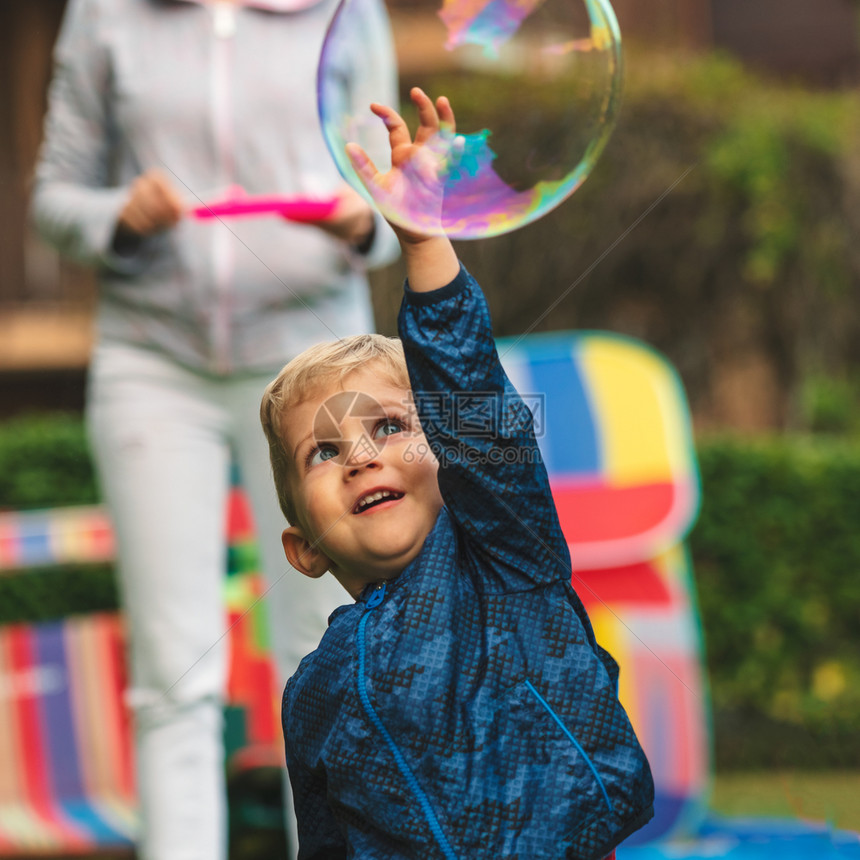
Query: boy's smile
x,y
363,480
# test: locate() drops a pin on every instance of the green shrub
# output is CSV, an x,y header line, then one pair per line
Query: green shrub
x,y
49,593
831,404
776,554
45,462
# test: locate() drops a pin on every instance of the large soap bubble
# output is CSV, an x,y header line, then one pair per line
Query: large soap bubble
x,y
534,85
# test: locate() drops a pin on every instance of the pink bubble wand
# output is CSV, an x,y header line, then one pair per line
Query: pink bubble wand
x,y
299,207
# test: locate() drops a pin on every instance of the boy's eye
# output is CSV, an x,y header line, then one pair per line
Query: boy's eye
x,y
321,453
387,428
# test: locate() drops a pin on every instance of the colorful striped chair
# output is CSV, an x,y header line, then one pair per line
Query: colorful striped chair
x,y
66,764
614,431
66,778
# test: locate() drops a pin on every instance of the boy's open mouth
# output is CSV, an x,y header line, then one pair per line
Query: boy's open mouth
x,y
377,497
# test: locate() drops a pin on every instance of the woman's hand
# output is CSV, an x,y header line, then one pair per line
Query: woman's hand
x,y
153,205
352,219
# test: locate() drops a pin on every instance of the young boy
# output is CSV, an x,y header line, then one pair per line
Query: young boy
x,y
460,708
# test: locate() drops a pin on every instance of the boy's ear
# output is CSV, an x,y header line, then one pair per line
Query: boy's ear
x,y
303,555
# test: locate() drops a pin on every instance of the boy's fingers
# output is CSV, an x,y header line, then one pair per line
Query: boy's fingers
x,y
427,116
361,163
398,131
446,113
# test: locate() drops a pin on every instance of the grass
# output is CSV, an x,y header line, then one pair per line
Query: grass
x,y
829,796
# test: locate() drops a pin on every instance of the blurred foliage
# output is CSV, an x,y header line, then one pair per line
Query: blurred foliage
x,y
45,462
44,594
719,226
776,553
827,797
832,404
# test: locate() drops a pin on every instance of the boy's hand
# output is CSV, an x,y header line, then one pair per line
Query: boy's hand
x,y
415,185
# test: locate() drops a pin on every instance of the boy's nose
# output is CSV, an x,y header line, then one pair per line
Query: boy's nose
x,y
362,454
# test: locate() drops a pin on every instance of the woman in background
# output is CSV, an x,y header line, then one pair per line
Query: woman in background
x,y
157,106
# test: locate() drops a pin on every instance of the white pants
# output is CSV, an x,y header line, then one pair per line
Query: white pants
x,y
162,438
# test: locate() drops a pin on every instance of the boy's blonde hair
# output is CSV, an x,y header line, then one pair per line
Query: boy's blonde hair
x,y
322,365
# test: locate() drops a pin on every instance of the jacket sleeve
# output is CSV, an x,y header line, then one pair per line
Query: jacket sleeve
x,y
491,475
319,836
73,206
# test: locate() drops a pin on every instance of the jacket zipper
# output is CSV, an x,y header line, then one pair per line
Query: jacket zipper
x,y
570,736
403,766
223,251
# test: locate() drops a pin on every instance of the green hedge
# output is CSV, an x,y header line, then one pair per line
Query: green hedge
x,y
45,463
49,593
777,561
776,555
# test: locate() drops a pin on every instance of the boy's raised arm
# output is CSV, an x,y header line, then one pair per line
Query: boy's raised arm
x,y
413,184
493,482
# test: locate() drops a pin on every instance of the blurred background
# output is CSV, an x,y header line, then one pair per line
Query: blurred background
x,y
742,277
720,227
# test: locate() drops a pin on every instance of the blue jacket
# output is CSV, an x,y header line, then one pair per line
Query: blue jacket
x,y
464,709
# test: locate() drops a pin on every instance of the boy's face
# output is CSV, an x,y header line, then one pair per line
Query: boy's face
x,y
363,480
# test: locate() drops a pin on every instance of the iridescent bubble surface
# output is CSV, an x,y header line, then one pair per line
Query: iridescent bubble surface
x,y
535,87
